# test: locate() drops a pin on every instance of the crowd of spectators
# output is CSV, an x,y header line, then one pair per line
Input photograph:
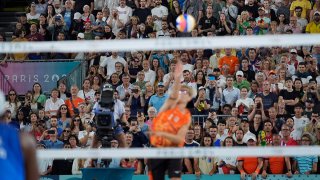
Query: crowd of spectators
x,y
246,97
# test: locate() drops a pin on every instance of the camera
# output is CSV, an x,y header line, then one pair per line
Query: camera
x,y
134,90
51,131
104,121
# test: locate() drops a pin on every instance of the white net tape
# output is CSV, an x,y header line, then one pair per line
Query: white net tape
x,y
162,44
180,152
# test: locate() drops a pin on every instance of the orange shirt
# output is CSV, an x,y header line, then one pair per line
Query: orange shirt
x,y
276,165
169,121
250,164
76,103
231,61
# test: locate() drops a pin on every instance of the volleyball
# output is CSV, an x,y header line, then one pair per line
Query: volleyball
x,y
185,23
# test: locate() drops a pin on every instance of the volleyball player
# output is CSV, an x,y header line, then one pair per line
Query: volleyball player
x,y
169,128
17,152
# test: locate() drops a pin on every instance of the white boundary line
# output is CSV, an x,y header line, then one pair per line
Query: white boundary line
x,y
180,152
162,43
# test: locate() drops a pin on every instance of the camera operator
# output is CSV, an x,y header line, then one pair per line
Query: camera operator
x,y
117,111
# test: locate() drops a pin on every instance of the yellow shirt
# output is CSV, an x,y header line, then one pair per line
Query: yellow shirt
x,y
20,56
305,4
313,28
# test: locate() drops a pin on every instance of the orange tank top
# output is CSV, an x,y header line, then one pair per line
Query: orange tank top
x,y
169,121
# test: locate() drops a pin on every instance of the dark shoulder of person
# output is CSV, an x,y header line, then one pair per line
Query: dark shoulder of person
x,y
237,144
62,167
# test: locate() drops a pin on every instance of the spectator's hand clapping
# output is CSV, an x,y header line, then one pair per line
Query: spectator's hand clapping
x,y
264,174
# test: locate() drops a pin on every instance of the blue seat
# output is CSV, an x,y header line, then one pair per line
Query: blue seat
x,y
107,173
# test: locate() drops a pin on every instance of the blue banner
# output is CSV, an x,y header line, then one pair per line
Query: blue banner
x,y
22,75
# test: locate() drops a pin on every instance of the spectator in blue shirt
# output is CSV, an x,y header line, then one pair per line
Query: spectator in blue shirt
x,y
158,99
52,142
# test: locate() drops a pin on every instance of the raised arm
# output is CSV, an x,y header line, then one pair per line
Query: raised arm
x,y
174,95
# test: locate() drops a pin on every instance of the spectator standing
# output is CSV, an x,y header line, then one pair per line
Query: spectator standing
x,y
33,16
52,142
159,98
313,26
159,14
125,12
111,61
306,7
86,93
230,94
143,11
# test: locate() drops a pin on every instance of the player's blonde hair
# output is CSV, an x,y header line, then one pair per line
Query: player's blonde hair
x,y
188,88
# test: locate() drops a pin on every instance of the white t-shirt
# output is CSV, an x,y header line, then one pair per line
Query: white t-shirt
x,y
50,105
188,67
150,76
82,134
247,101
89,95
29,16
110,62
160,12
298,127
124,13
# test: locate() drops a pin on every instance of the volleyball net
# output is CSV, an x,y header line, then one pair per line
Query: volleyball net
x,y
169,44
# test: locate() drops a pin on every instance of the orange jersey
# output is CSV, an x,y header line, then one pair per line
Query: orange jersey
x,y
231,61
169,121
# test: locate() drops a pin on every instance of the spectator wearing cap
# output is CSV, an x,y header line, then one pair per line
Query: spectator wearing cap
x,y
302,73
262,21
305,164
159,98
313,26
201,104
77,25
241,82
311,127
250,165
300,122
230,60
248,73
57,25
306,7
289,96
